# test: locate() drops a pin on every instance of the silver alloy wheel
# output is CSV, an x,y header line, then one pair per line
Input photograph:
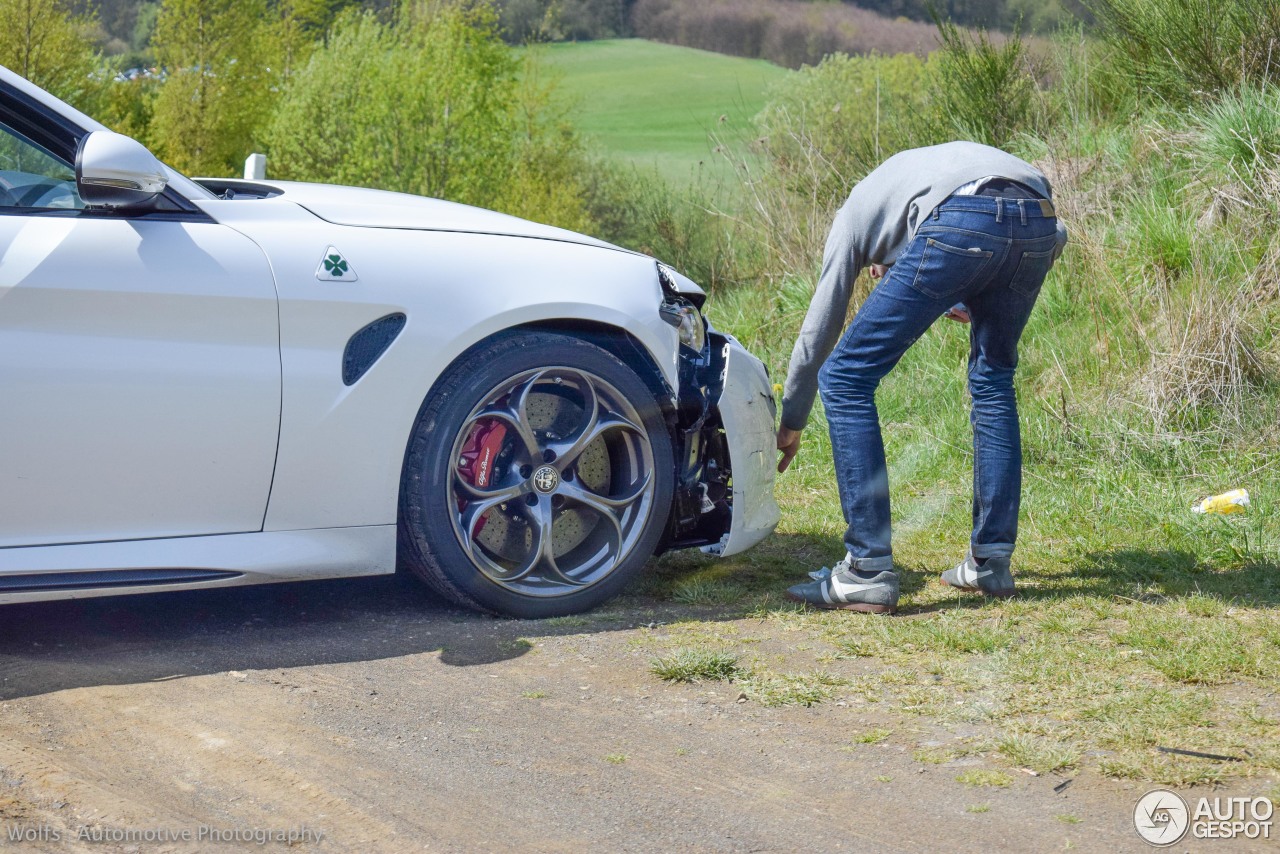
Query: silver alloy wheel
x,y
551,481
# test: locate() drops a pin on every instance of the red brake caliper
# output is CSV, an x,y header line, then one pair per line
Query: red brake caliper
x,y
475,463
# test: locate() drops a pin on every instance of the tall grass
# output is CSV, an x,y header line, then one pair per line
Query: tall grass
x,y
985,90
1182,51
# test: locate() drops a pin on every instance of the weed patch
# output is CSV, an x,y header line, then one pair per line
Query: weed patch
x,y
984,777
694,665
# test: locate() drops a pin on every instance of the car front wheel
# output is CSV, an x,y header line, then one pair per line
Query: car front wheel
x,y
538,478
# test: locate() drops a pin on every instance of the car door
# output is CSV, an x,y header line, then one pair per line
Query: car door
x,y
139,359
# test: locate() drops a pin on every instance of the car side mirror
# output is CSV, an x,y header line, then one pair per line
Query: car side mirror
x,y
115,171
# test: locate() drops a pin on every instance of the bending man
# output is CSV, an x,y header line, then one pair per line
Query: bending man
x,y
962,230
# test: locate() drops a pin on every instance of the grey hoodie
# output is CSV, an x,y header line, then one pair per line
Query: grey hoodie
x,y
873,227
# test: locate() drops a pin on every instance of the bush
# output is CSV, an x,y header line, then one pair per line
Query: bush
x,y
1083,85
218,92
682,226
435,105
823,130
984,90
1237,139
1182,51
524,21
48,43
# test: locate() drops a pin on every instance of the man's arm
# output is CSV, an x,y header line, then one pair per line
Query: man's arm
x,y
843,258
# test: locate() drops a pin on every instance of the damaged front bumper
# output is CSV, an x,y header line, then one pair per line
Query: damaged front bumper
x,y
725,448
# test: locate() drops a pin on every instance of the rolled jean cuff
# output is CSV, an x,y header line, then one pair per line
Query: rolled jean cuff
x,y
872,564
987,550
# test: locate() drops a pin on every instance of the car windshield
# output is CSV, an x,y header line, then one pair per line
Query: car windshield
x,y
185,185
32,177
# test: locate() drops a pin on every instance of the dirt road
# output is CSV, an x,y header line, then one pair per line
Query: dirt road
x,y
363,715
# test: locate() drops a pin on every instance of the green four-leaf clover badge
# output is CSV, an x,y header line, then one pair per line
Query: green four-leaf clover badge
x,y
334,268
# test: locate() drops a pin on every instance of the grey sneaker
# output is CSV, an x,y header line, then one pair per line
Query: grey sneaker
x,y
849,589
992,578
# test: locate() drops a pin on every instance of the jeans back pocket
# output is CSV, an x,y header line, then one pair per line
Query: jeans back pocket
x,y
947,270
1032,268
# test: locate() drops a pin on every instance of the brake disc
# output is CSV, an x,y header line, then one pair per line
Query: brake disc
x,y
506,533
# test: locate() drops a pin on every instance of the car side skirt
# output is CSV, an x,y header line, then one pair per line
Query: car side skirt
x,y
227,560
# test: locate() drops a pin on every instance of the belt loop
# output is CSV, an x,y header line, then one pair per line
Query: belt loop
x,y
937,214
999,209
1022,209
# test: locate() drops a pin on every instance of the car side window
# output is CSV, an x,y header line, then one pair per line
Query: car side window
x,y
31,177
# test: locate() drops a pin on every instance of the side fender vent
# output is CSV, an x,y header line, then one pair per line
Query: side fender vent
x,y
367,345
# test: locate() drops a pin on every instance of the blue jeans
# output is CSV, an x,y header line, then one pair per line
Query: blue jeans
x,y
992,254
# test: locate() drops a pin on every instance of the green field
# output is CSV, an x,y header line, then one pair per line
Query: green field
x,y
655,105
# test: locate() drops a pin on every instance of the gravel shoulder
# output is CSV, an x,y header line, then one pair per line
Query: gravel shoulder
x,y
368,715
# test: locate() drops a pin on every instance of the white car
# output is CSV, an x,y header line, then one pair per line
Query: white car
x,y
220,382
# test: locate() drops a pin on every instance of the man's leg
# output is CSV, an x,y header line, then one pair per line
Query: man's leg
x,y
998,315
889,322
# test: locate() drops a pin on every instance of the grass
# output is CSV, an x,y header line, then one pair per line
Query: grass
x,y
696,665
980,777
701,591
1139,624
1038,754
804,689
654,105
1147,379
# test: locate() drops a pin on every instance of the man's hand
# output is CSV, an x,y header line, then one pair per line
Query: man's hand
x,y
878,270
789,444
958,312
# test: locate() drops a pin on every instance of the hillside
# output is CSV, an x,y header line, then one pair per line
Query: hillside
x,y
655,104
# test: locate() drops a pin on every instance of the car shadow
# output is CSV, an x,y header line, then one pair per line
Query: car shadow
x,y
51,646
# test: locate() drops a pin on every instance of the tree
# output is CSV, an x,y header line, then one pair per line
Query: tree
x,y
218,90
44,42
435,105
423,106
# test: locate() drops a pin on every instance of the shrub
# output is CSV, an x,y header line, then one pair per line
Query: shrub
x,y
1182,51
48,43
435,105
823,130
526,21
218,92
1084,85
1237,138
683,225
984,89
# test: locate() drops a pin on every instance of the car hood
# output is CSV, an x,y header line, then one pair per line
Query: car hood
x,y
383,209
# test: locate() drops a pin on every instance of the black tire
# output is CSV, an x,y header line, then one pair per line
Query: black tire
x,y
538,477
